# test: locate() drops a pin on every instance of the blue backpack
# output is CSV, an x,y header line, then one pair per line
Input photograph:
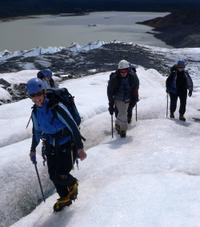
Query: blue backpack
x,y
62,95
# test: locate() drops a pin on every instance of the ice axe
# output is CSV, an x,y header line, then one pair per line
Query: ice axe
x,y
112,125
36,169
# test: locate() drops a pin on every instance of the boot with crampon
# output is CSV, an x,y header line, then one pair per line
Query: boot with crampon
x,y
62,202
73,190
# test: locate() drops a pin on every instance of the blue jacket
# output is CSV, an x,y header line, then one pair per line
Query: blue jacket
x,y
49,121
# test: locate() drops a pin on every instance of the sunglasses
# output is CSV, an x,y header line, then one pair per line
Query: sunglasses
x,y
123,71
180,67
36,94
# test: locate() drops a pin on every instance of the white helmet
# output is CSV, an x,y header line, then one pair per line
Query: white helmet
x,y
123,64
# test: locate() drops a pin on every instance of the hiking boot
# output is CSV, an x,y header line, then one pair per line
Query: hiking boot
x,y
73,190
171,115
182,118
117,127
62,202
123,134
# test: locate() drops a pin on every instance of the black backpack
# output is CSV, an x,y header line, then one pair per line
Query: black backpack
x,y
62,95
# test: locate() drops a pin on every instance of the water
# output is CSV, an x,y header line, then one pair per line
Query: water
x,y
60,30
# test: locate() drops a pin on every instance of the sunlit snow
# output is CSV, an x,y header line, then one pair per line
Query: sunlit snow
x,y
149,179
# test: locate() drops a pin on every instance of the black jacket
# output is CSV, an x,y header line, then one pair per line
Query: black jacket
x,y
114,84
179,82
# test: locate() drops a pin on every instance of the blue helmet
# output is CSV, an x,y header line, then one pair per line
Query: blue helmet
x,y
181,64
34,86
45,73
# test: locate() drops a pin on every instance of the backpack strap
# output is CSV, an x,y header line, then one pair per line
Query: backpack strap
x,y
33,109
113,75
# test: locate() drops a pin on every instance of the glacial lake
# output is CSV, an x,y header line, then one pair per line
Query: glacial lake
x,y
63,30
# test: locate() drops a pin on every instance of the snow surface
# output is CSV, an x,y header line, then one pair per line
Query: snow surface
x,y
191,56
149,179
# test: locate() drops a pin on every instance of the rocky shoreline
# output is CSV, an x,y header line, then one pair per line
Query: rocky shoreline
x,y
178,29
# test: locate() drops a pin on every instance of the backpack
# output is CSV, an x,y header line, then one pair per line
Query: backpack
x,y
132,68
62,95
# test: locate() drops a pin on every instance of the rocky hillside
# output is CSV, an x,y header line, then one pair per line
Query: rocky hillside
x,y
178,29
73,64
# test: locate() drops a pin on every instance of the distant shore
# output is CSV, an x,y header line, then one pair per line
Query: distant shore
x,y
178,29
5,19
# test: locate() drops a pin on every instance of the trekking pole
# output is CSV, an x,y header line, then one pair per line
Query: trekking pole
x,y
112,125
136,112
167,106
83,138
28,122
36,169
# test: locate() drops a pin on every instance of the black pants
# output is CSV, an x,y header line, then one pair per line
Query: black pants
x,y
173,103
60,161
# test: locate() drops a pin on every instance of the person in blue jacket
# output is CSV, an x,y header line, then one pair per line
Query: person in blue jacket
x,y
177,85
53,123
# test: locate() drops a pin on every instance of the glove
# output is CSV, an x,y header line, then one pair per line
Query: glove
x,y
190,93
111,110
81,154
135,93
33,157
